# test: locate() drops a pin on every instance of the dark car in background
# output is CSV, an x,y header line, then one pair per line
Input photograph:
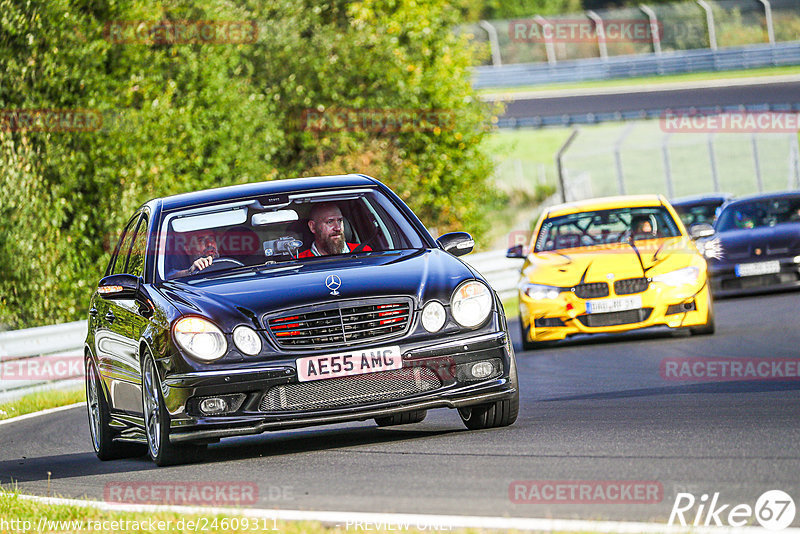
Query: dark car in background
x,y
701,209
270,336
756,245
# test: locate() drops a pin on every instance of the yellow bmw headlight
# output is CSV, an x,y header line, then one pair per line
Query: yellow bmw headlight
x,y
679,277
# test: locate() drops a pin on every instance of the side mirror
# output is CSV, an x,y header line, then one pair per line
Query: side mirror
x,y
517,251
698,231
456,243
119,286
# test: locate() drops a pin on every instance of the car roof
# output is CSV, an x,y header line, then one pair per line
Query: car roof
x,y
764,196
605,203
710,197
272,187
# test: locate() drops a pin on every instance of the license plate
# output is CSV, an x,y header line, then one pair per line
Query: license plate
x,y
614,305
357,362
755,269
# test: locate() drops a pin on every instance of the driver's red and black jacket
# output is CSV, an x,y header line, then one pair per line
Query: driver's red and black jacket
x,y
310,253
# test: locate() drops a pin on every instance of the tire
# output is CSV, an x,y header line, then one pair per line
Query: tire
x,y
526,345
406,418
156,421
494,415
708,328
99,421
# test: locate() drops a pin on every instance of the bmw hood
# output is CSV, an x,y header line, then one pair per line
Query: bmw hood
x,y
233,297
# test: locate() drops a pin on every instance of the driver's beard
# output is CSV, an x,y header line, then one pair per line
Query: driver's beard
x,y
332,244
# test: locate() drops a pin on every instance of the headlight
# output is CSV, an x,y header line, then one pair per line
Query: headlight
x,y
200,338
471,304
540,292
246,340
433,316
687,275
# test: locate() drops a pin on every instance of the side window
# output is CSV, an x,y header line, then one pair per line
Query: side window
x,y
118,266
137,257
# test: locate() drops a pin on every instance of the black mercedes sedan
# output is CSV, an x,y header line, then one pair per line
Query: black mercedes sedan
x,y
755,245
287,304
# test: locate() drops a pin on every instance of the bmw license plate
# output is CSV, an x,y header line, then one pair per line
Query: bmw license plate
x,y
614,305
755,269
357,362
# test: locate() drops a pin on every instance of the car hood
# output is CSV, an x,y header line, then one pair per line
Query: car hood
x,y
780,240
236,297
568,267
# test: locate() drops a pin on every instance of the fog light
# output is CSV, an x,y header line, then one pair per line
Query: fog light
x,y
213,405
482,369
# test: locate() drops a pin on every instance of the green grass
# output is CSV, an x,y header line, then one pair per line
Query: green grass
x,y
648,80
41,401
13,508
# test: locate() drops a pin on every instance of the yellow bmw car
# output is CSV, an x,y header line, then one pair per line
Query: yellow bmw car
x,y
611,265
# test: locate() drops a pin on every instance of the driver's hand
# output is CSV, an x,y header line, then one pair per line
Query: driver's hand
x,y
200,264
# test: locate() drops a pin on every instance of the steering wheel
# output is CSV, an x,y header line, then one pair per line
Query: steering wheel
x,y
217,264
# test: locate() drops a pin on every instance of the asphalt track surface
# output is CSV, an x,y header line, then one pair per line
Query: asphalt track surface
x,y
592,410
771,94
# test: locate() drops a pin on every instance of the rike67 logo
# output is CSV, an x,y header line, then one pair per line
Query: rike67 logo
x,y
774,510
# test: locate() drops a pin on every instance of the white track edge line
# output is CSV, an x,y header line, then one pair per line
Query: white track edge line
x,y
425,521
41,412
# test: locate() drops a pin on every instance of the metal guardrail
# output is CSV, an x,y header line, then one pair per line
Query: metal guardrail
x,y
616,67
49,357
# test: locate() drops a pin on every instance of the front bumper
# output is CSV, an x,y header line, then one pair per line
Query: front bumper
x,y
662,305
447,360
725,282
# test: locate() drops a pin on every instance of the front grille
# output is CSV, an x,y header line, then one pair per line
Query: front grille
x,y
350,390
547,322
595,320
591,291
630,286
343,323
764,280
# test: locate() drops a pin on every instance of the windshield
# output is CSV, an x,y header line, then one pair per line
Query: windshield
x,y
288,228
759,213
703,213
605,226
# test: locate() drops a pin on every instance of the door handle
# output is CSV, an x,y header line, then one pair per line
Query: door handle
x,y
110,317
93,311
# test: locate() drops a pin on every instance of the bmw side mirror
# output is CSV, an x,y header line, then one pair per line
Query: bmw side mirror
x,y
699,231
517,251
456,243
119,286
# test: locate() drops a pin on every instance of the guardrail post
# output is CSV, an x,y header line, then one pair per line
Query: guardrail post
x,y
655,33
559,164
713,159
759,183
795,148
770,27
712,30
494,42
618,158
600,30
548,38
667,166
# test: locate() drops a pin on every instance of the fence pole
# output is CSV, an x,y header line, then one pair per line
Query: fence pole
x,y
655,33
494,42
600,30
618,157
560,165
770,26
794,143
712,30
667,167
548,38
759,183
713,159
